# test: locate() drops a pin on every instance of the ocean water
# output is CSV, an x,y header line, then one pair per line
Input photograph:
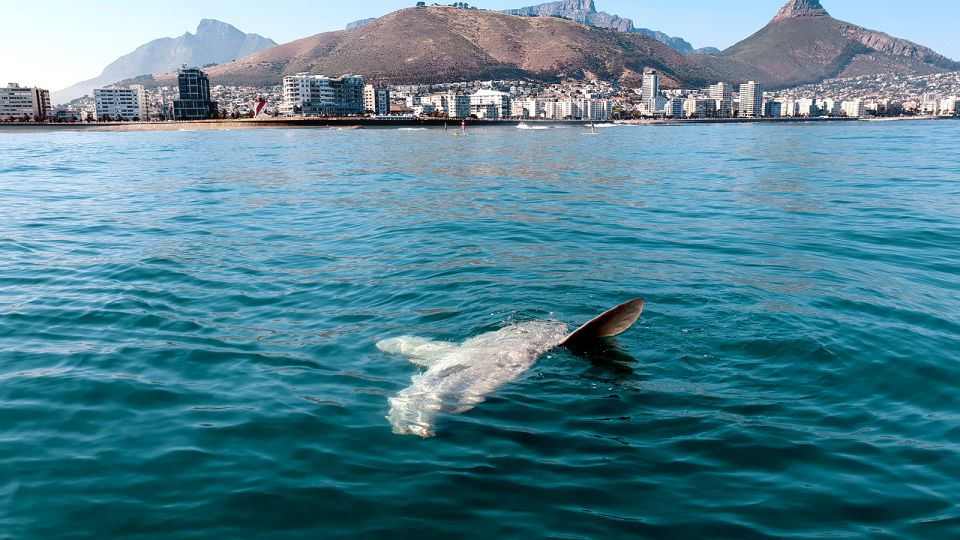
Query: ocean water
x,y
188,321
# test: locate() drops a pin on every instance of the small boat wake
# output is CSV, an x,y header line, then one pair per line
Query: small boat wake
x,y
524,125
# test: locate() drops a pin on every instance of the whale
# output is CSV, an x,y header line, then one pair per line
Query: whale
x,y
459,376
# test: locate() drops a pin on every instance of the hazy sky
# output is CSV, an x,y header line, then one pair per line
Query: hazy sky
x,y
67,41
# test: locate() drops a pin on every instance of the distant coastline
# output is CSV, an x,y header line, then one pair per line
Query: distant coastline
x,y
436,123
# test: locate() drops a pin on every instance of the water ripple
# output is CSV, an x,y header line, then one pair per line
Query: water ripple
x,y
188,320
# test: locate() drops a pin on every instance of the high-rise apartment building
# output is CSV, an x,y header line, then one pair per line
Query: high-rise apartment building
x,y
126,103
698,107
318,95
674,107
194,102
452,104
751,100
807,107
486,103
376,100
18,101
853,108
650,90
722,93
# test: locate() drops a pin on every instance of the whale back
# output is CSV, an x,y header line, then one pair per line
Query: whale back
x,y
609,323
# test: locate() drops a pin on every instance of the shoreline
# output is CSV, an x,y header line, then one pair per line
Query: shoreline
x,y
434,123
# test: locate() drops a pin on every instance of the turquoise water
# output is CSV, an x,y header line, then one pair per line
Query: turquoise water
x,y
188,320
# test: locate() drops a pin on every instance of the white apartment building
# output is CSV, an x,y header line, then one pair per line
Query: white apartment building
x,y
596,109
562,109
376,100
853,109
722,93
788,107
518,108
751,100
699,107
650,90
127,103
807,107
556,110
529,108
452,104
486,103
17,101
318,95
949,106
675,107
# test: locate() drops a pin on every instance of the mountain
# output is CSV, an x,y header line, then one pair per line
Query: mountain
x,y
585,12
444,44
804,44
214,42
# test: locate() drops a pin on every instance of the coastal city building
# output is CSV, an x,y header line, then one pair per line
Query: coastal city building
x,y
853,108
120,103
650,91
699,107
319,95
772,109
376,100
949,106
675,107
527,108
722,93
807,107
751,100
450,104
17,102
487,103
831,107
788,107
194,101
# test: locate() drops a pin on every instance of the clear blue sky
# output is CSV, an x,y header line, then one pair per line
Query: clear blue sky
x,y
59,42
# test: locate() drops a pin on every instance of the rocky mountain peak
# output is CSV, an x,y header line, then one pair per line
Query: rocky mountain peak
x,y
795,9
214,27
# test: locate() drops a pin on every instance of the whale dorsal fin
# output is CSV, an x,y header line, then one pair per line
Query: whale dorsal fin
x,y
609,323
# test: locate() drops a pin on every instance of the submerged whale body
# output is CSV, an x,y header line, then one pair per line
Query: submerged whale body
x,y
459,376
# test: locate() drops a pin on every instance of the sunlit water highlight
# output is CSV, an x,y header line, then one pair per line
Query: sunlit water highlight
x,y
188,325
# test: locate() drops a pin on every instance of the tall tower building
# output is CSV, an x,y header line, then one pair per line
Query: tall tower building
x,y
194,102
722,94
376,100
751,100
650,90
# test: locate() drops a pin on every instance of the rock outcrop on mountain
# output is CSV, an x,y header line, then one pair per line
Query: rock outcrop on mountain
x,y
804,44
444,44
215,42
796,9
585,12
358,24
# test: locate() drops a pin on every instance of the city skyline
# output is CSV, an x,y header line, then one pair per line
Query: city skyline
x,y
61,58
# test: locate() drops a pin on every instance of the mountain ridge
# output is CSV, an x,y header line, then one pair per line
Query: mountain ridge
x,y
214,42
803,44
435,44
